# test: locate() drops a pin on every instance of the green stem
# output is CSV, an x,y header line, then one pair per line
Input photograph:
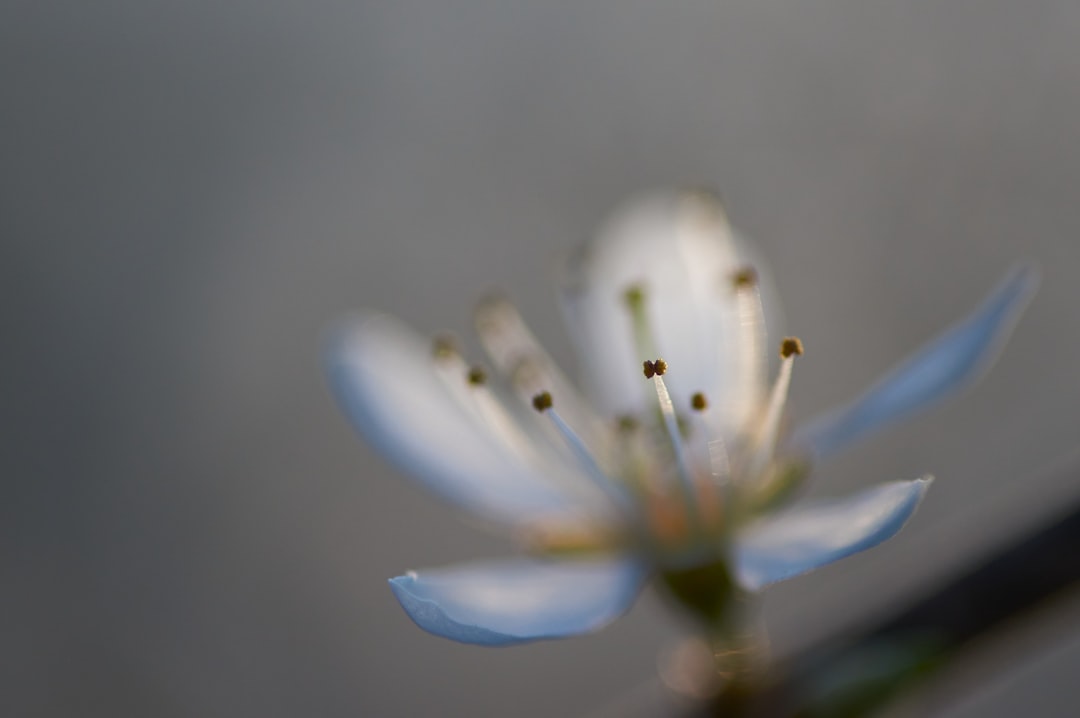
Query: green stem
x,y
732,627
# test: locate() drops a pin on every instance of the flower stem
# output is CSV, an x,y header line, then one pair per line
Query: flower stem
x,y
740,656
732,627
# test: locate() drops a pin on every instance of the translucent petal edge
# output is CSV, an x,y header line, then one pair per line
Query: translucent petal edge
x,y
758,566
944,366
589,596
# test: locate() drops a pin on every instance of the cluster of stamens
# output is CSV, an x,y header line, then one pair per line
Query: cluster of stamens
x,y
703,490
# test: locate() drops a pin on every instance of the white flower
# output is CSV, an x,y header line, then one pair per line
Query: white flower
x,y
668,474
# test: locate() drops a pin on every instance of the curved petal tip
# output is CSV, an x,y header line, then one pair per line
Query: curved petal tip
x,y
815,534
947,364
503,603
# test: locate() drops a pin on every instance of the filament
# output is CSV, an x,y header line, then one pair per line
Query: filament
x,y
542,402
769,430
655,370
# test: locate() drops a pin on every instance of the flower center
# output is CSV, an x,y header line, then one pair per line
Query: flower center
x,y
713,488
679,479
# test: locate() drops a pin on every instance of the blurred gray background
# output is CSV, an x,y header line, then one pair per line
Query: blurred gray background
x,y
191,191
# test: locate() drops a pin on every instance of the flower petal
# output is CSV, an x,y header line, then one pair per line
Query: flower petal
x,y
949,363
385,379
812,535
680,250
500,603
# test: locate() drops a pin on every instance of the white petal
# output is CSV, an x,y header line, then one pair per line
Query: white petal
x,y
781,546
501,603
683,254
946,365
384,377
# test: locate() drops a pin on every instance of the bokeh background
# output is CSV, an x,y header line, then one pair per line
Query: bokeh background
x,y
191,191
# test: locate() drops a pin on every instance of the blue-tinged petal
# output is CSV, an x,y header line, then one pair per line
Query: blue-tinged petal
x,y
814,534
501,603
679,249
385,379
947,364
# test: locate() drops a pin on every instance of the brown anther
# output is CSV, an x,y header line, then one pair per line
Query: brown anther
x,y
627,423
542,401
791,346
698,402
654,368
745,278
477,376
444,347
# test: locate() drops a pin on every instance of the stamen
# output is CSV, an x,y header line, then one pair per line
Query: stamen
x,y
745,278
719,462
635,462
508,342
527,377
468,385
791,346
516,353
769,429
543,403
635,297
718,456
750,342
444,347
529,382
449,364
655,370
